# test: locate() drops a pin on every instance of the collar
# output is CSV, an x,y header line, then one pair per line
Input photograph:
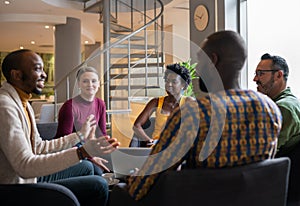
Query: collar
x,y
23,96
285,92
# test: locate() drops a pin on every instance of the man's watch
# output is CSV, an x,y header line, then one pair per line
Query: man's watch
x,y
82,153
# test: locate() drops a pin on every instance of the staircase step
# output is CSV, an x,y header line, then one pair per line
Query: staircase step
x,y
120,35
135,46
136,99
135,55
118,111
141,65
125,87
112,19
119,28
93,7
115,98
97,7
141,75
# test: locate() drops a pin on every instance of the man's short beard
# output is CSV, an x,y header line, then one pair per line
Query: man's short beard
x,y
36,91
266,89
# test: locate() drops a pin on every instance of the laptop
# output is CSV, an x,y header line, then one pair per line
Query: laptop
x,y
126,159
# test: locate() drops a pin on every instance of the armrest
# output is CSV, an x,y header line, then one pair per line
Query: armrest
x,y
36,194
119,196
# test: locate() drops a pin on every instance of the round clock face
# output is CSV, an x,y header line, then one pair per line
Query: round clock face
x,y
201,17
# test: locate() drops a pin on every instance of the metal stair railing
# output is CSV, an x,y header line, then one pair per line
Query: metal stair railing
x,y
146,47
107,48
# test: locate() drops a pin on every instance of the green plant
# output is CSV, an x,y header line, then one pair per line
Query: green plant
x,y
191,67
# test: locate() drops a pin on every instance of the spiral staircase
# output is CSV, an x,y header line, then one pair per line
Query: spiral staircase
x,y
132,54
131,57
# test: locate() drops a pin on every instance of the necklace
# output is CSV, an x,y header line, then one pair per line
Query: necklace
x,y
176,103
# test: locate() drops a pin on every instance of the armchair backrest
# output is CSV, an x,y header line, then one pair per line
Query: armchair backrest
x,y
46,194
262,183
47,113
294,179
47,130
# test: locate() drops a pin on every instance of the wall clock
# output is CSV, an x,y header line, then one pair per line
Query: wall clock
x,y
201,17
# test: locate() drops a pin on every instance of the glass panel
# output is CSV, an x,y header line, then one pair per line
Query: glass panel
x,y
273,28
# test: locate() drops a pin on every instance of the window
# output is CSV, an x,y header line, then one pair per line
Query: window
x,y
273,28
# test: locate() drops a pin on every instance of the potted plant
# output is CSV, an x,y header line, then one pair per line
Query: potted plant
x,y
194,78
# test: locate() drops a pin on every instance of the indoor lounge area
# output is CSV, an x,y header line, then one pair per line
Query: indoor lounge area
x,y
129,45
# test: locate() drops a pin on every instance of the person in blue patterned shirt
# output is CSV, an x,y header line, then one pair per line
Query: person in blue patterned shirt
x,y
228,127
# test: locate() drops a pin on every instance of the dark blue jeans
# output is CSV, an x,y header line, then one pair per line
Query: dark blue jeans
x,y
83,168
89,189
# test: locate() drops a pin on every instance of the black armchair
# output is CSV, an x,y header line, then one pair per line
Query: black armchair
x,y
46,194
259,184
47,130
293,198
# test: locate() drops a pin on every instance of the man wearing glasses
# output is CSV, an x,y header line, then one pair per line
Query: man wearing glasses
x,y
271,76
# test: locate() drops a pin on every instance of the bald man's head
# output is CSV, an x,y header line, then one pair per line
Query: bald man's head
x,y
223,54
229,47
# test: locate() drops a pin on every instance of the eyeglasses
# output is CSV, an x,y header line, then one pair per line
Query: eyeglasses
x,y
261,72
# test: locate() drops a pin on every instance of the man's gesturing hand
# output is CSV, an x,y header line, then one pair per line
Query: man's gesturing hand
x,y
101,145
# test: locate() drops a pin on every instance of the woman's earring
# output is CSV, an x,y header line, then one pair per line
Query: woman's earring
x,y
181,91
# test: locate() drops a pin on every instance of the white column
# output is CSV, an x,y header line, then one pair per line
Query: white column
x,y
67,55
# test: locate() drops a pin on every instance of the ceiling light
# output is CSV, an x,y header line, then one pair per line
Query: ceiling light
x,y
86,42
47,26
32,42
6,2
21,47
